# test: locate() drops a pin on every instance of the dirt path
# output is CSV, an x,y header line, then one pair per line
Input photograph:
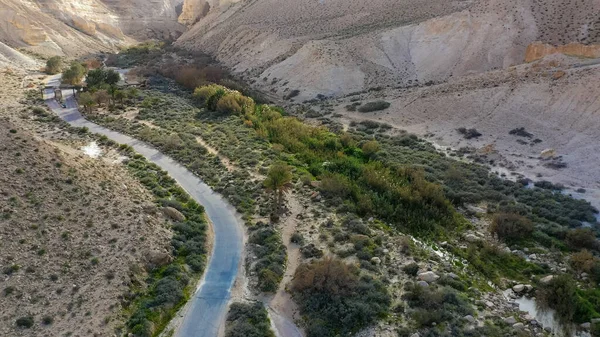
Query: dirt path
x,y
282,301
226,162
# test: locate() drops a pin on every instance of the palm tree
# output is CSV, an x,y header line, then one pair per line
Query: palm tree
x,y
278,181
112,90
87,100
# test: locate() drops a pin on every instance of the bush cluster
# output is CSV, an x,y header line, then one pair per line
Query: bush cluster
x,y
336,299
271,256
248,320
374,106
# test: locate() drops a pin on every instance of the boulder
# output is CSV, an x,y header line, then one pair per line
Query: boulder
x,y
471,238
375,260
518,325
428,276
156,259
510,320
519,288
547,279
173,213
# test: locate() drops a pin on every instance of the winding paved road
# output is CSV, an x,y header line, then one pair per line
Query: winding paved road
x,y
206,310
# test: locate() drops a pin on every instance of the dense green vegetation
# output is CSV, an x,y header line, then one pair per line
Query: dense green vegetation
x,y
336,299
248,320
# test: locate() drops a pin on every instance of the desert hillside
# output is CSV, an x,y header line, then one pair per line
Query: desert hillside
x,y
76,28
335,47
77,232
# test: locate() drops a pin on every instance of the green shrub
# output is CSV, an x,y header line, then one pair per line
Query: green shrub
x,y
511,227
374,106
248,320
53,65
582,238
411,269
25,322
336,300
569,303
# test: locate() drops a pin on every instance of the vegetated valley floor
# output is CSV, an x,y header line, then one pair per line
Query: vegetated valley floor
x,y
442,279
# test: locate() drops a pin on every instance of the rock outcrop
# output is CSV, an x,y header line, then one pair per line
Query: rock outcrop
x,y
539,50
192,11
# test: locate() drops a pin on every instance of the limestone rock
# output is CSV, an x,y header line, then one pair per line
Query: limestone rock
x,y
519,288
173,213
428,276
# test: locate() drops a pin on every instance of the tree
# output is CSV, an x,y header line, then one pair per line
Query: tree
x,y
87,100
112,77
74,75
99,77
112,90
101,97
53,65
278,181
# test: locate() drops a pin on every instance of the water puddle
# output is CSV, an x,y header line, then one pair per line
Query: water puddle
x,y
92,150
545,319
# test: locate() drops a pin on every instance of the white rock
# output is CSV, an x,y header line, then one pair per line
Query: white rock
x,y
510,320
428,276
528,287
471,238
469,318
547,279
518,288
376,260
518,325
489,304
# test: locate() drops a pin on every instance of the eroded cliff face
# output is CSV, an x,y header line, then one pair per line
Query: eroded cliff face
x,y
539,50
334,47
67,27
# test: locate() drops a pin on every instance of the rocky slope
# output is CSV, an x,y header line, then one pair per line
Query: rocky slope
x,y
334,47
76,231
73,28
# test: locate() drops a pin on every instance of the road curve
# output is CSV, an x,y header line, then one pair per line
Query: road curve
x,y
206,310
